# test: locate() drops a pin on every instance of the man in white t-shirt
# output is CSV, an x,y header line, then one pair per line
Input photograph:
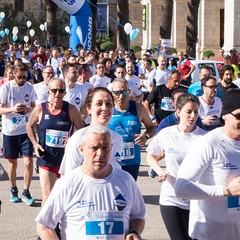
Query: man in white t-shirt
x,y
95,201
17,98
159,75
41,89
54,61
210,176
75,93
210,106
99,79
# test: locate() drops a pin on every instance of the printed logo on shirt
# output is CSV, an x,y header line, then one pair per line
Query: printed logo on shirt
x,y
229,166
172,150
120,202
77,101
63,123
118,157
85,203
26,98
131,122
46,117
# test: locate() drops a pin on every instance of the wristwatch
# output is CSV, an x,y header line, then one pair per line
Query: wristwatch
x,y
137,233
146,135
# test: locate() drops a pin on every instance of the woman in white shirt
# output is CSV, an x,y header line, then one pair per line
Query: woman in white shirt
x,y
173,143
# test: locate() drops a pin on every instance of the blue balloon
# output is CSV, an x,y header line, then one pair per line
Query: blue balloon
x,y
6,31
134,33
2,34
15,37
0,19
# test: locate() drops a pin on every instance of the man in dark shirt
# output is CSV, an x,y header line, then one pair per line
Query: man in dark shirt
x,y
161,97
226,76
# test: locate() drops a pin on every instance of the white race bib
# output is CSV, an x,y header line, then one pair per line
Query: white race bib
x,y
128,151
104,225
167,105
55,138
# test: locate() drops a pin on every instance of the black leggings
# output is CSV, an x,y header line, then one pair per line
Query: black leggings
x,y
176,222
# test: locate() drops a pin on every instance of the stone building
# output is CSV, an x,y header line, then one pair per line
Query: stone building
x,y
218,22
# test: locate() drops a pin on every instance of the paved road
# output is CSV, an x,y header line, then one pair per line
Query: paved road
x,y
17,219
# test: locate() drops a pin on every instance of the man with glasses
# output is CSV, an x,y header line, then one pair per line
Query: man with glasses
x,y
99,79
210,106
126,120
41,89
210,176
17,98
56,119
196,88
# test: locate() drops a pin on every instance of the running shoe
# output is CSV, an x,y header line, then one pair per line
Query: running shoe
x,y
28,199
14,196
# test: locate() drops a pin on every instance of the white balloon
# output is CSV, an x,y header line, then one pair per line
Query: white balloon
x,y
42,27
29,23
45,26
2,15
15,30
31,32
26,38
128,28
67,29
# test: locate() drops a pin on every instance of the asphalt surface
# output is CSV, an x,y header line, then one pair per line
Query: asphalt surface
x,y
17,219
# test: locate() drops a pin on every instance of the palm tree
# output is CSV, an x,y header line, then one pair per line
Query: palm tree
x,y
123,18
192,27
166,19
51,19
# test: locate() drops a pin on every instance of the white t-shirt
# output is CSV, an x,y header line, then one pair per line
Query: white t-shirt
x,y
10,94
54,63
41,91
175,145
158,76
135,80
72,157
84,206
76,96
213,110
97,81
210,164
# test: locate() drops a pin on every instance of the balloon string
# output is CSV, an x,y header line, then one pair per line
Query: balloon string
x,y
106,17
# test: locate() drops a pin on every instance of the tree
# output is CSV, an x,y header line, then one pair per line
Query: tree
x,y
51,19
123,17
192,27
166,19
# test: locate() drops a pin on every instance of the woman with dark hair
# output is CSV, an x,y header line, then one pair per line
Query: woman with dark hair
x,y
99,104
39,64
173,143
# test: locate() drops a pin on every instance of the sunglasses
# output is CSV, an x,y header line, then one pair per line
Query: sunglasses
x,y
57,90
237,116
123,92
